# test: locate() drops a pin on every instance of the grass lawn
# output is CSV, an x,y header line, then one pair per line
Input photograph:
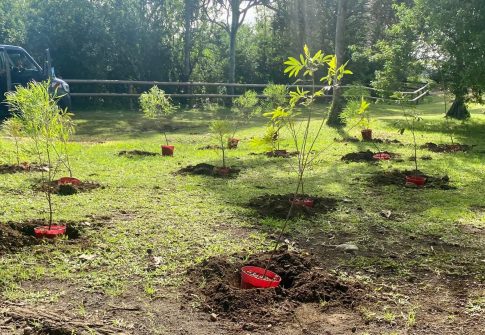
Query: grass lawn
x,y
420,255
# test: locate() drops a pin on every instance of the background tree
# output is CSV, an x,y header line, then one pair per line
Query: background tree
x,y
230,15
337,100
455,32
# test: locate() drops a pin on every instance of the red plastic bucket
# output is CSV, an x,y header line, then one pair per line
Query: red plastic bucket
x,y
232,143
256,277
416,180
366,134
381,156
54,231
68,180
167,150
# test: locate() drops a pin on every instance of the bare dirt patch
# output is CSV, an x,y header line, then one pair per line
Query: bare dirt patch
x,y
16,235
204,169
281,154
278,205
366,156
23,167
375,140
68,189
302,282
137,153
210,147
447,148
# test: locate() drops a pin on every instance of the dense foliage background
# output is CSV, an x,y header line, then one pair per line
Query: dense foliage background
x,y
388,41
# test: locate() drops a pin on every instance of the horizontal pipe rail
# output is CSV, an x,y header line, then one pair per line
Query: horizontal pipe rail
x,y
132,83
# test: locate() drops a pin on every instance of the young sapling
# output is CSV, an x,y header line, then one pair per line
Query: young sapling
x,y
411,119
222,129
43,122
245,107
157,105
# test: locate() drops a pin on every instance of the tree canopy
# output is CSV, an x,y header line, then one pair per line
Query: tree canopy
x,y
386,42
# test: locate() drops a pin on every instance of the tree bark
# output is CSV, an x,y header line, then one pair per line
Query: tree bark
x,y
337,99
232,44
189,11
458,109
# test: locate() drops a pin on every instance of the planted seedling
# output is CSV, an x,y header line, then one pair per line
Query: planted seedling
x,y
222,130
43,122
356,113
411,119
278,118
304,141
245,107
356,110
158,106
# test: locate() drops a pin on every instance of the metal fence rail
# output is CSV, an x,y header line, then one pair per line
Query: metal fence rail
x,y
133,89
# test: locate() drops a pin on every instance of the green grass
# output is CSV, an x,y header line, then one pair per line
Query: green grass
x,y
186,219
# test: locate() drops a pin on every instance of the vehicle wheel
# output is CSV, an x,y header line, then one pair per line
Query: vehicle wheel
x,y
65,102
4,113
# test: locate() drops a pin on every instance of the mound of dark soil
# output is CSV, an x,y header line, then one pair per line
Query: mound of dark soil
x,y
302,282
365,156
210,147
14,235
396,177
347,140
204,169
23,167
281,154
137,153
68,189
386,141
375,140
447,148
276,205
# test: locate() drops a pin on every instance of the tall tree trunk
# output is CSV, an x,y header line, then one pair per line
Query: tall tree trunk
x,y
187,39
337,100
231,78
189,8
458,109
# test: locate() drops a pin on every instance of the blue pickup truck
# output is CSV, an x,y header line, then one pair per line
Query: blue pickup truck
x,y
17,67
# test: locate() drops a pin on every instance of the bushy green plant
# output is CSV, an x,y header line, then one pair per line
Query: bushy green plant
x,y
356,113
274,96
45,124
246,105
278,119
157,105
411,119
13,128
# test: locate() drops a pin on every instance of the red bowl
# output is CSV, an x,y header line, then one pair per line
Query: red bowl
x,y
256,277
68,180
382,156
416,180
222,171
307,202
54,231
